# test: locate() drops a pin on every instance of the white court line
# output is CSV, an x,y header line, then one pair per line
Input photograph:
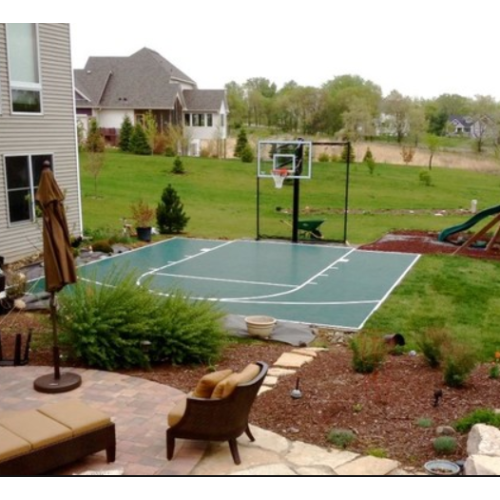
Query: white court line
x,y
223,280
191,257
298,287
347,303
398,282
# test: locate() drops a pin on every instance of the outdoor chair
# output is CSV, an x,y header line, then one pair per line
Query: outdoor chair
x,y
221,416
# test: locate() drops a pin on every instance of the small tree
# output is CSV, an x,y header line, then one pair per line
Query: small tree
x,y
369,160
241,143
126,132
247,155
178,168
139,142
407,152
150,129
95,164
170,214
345,153
95,141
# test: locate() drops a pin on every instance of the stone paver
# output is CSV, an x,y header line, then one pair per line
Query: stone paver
x,y
280,372
306,455
305,352
368,466
270,381
290,360
138,407
267,470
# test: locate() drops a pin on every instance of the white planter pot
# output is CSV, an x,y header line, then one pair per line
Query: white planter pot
x,y
260,326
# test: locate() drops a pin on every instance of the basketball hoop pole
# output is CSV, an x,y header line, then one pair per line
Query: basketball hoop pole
x,y
299,155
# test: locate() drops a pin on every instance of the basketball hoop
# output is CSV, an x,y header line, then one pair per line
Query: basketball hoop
x,y
279,177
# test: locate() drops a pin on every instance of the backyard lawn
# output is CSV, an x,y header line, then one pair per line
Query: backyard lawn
x,y
219,196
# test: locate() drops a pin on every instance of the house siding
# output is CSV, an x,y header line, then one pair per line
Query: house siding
x,y
52,132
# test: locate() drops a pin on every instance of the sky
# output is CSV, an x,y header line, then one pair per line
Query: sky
x,y
422,48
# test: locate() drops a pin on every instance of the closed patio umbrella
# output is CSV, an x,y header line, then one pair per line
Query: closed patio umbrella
x,y
59,268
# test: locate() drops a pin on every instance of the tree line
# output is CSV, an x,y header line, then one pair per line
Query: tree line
x,y
353,108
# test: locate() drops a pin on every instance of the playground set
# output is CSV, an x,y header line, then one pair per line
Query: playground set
x,y
477,239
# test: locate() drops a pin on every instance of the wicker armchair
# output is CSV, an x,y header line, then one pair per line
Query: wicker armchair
x,y
218,419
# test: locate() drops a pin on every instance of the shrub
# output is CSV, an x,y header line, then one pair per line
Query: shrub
x,y
432,343
324,157
103,246
481,416
170,152
139,144
425,423
459,362
187,331
241,143
352,156
247,155
95,141
126,131
105,326
178,168
377,452
494,373
368,353
341,438
170,214
445,445
407,152
425,178
160,144
369,161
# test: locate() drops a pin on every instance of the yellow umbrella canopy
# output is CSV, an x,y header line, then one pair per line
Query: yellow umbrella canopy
x,y
57,253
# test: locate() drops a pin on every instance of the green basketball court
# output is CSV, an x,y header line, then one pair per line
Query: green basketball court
x,y
312,284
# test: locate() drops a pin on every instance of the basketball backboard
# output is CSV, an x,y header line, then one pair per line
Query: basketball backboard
x,y
292,158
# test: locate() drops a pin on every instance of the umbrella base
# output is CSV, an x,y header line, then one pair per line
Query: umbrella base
x,y
48,384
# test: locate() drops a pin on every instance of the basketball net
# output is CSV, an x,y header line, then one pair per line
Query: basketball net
x,y
279,177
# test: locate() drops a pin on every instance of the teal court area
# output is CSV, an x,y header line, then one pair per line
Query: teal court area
x,y
313,284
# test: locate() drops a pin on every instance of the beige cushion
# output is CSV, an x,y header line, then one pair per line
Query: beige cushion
x,y
207,384
36,428
177,412
76,415
12,445
227,386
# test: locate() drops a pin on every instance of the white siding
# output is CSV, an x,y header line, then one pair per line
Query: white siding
x,y
54,133
113,118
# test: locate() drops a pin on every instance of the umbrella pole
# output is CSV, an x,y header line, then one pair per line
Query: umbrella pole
x,y
55,343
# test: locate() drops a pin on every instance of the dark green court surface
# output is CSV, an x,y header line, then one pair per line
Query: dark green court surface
x,y
313,284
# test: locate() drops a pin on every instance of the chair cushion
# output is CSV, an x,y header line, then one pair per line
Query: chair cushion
x,y
76,415
227,386
12,445
177,412
207,384
36,428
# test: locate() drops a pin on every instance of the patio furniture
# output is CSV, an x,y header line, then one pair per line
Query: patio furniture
x,y
38,441
21,357
222,417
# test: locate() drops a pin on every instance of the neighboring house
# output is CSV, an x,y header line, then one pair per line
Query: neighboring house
x,y
476,128
109,88
37,123
387,125
459,125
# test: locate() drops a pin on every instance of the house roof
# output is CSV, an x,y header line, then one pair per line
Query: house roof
x,y
145,80
204,100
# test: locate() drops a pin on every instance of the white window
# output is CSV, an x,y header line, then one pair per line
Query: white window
x,y
24,68
23,177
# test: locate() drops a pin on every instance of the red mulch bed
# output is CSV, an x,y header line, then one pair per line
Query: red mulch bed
x,y
381,409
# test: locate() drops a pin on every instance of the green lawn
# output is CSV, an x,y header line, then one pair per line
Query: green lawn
x,y
220,198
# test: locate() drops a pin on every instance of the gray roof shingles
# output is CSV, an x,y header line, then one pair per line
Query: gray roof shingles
x,y
145,80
